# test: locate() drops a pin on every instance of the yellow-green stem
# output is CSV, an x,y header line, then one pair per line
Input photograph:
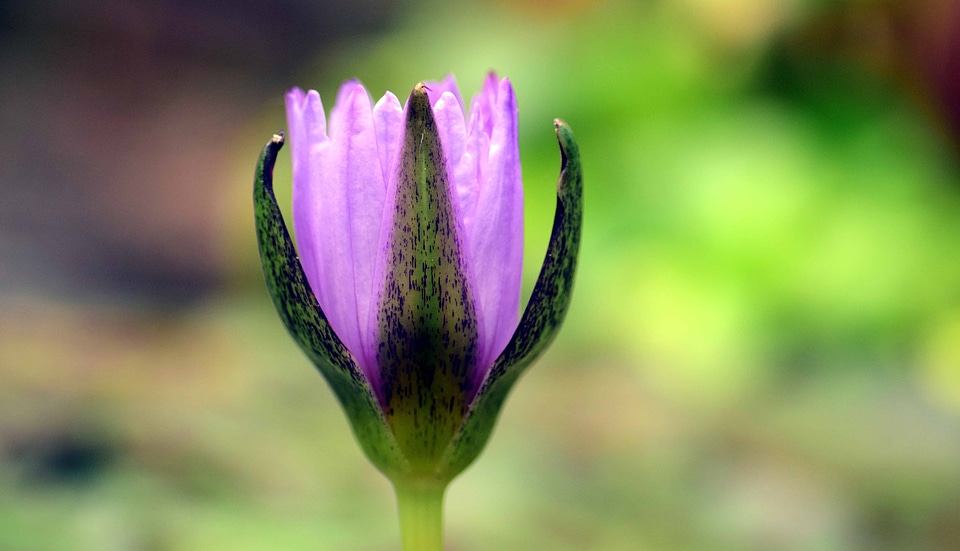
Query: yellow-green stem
x,y
421,516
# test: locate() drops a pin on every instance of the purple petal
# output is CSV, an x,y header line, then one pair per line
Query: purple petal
x,y
307,128
338,201
343,94
475,154
495,240
487,99
435,90
453,137
388,120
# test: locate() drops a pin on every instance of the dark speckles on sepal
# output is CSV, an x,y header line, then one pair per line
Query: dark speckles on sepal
x,y
543,315
427,324
301,314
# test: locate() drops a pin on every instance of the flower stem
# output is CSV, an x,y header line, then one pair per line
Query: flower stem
x,y
421,516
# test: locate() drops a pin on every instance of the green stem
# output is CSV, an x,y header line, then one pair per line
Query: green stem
x,y
421,516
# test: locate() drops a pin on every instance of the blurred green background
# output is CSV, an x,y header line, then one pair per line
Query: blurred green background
x,y
763,351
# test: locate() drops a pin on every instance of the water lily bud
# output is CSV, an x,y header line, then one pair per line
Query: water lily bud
x,y
406,290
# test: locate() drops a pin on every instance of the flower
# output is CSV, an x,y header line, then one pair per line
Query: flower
x,y
406,290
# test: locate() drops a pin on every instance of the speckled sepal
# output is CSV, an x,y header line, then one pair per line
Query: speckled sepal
x,y
543,315
301,314
427,326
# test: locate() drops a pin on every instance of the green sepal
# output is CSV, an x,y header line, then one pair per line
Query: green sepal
x,y
301,314
427,325
543,315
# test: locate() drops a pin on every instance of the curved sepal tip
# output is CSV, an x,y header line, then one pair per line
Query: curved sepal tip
x,y
543,315
301,313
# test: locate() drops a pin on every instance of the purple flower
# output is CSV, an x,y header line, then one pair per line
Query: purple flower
x,y
345,201
406,292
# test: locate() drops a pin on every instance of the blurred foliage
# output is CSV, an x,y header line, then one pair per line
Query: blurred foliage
x,y
763,351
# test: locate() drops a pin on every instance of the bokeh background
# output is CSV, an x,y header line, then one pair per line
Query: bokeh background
x,y
763,351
